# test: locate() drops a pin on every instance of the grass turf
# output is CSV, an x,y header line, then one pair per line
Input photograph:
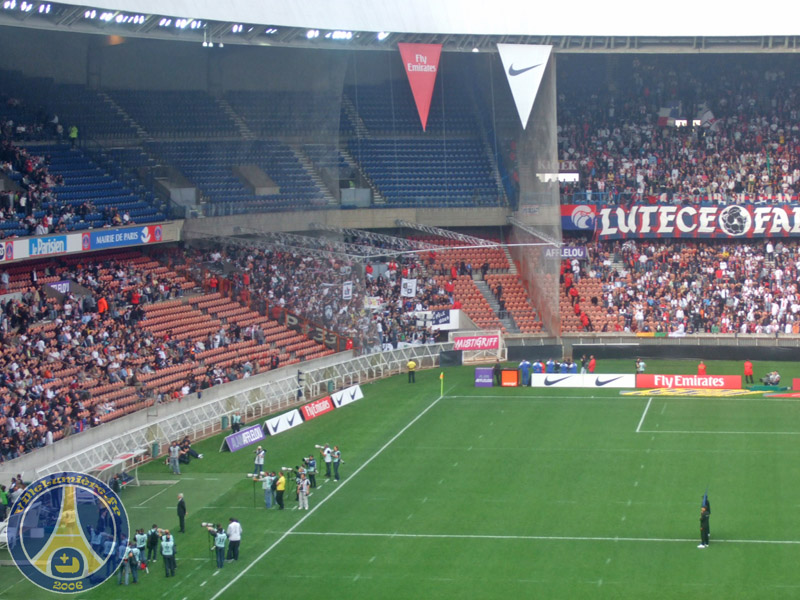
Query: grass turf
x,y
487,492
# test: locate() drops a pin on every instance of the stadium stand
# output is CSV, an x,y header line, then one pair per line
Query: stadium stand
x,y
623,141
126,335
676,288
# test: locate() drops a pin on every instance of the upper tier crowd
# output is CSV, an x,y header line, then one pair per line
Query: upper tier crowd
x,y
746,147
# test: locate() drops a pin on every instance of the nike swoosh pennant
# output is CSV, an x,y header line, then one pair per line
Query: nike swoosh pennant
x,y
514,72
524,89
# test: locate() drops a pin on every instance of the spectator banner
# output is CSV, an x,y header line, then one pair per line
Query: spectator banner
x,y
440,318
717,382
245,437
347,290
606,380
347,396
578,217
421,63
283,422
483,377
408,288
524,66
732,221
314,409
478,342
62,287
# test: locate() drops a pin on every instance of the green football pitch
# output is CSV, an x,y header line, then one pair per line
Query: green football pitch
x,y
498,492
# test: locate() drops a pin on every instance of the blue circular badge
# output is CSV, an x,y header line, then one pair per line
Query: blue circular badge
x,y
65,530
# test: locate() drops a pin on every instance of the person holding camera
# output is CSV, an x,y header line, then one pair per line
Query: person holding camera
x,y
152,543
141,543
168,549
326,456
259,464
311,470
234,538
130,564
337,460
299,471
268,484
303,488
220,537
280,487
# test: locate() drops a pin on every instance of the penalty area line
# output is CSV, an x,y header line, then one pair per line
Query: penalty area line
x,y
326,498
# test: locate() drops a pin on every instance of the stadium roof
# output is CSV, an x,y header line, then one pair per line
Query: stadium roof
x,y
466,25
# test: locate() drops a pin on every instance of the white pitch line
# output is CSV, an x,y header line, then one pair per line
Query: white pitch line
x,y
156,494
644,414
325,499
726,432
544,538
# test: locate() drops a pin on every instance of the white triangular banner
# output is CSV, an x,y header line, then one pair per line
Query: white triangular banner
x,y
524,66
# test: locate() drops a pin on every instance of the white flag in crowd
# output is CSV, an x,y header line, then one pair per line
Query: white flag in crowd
x,y
408,288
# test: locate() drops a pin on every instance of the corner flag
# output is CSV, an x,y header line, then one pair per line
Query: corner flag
x,y
441,383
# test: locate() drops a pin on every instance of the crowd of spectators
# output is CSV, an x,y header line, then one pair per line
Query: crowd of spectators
x,y
619,131
683,287
375,315
54,352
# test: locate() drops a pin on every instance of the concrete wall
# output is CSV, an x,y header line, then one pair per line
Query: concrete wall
x,y
359,218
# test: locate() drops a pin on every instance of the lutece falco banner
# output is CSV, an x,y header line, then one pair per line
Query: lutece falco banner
x,y
421,64
65,530
717,221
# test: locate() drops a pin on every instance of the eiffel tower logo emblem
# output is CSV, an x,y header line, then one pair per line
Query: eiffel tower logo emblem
x,y
68,553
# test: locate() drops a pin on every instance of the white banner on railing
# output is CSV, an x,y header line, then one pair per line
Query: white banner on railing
x,y
347,396
283,422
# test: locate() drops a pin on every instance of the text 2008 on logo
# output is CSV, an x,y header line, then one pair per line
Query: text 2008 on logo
x,y
64,532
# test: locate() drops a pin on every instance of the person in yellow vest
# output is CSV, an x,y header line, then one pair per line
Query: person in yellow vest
x,y
280,487
73,135
412,367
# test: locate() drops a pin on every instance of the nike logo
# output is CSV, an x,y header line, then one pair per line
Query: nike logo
x,y
548,381
290,421
600,382
275,427
514,72
353,393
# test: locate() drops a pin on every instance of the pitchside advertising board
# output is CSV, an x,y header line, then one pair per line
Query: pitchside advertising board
x,y
705,382
606,380
244,437
312,410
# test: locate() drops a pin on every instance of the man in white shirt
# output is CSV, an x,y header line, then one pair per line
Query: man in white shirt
x,y
234,538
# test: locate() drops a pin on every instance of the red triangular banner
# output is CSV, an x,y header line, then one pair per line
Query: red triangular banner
x,y
421,63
